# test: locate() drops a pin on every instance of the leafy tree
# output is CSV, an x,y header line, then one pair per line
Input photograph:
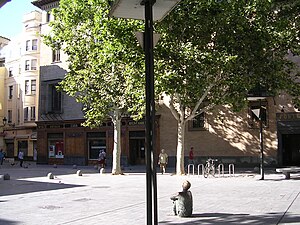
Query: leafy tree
x,y
105,64
215,52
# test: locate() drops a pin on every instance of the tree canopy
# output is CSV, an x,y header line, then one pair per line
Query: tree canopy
x,y
216,52
105,62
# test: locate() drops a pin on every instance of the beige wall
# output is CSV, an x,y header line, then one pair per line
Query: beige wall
x,y
2,112
226,133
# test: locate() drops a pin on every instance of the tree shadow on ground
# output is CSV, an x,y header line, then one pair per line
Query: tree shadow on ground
x,y
234,219
15,187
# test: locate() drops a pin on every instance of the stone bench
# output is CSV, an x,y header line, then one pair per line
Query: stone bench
x,y
288,170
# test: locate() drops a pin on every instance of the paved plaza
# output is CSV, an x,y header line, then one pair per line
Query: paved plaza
x,y
30,197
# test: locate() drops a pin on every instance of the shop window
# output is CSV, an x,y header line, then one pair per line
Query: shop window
x,y
198,123
96,143
23,146
55,145
257,110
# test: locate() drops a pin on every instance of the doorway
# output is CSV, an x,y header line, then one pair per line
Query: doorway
x,y
291,149
137,148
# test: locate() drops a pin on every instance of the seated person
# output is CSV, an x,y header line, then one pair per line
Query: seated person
x,y
183,201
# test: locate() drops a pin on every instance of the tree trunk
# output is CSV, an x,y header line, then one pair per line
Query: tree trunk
x,y
180,148
116,165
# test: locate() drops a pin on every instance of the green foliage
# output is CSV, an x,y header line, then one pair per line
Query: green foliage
x,y
106,65
232,45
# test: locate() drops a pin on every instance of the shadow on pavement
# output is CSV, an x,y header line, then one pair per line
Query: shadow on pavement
x,y
8,222
234,219
15,187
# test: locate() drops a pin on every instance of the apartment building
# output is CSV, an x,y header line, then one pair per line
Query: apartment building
x,y
3,42
21,88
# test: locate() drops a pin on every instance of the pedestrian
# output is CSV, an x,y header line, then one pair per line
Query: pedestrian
x,y
102,158
163,161
2,156
183,201
191,156
21,158
35,154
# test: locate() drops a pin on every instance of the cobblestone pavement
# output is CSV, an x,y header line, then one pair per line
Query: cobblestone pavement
x,y
30,198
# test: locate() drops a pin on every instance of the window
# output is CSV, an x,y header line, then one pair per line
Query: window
x,y
34,44
56,55
27,65
10,72
26,87
33,87
257,110
33,64
96,142
55,99
9,116
48,17
27,45
26,114
18,116
10,92
23,146
55,145
198,123
32,113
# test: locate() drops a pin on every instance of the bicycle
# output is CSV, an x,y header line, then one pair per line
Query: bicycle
x,y
209,168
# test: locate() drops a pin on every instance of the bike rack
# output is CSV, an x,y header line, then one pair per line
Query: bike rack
x,y
231,169
202,169
189,169
221,169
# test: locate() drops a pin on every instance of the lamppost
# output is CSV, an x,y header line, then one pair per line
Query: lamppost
x,y
258,114
150,11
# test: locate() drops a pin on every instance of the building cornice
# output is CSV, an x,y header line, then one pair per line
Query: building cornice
x,y
46,5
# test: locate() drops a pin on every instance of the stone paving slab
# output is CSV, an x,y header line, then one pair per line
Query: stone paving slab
x,y
30,198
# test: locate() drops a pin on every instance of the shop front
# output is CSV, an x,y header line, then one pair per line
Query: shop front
x,y
68,142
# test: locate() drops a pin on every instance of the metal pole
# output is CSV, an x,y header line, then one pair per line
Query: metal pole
x,y
262,168
150,115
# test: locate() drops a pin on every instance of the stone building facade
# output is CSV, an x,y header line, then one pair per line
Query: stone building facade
x,y
21,91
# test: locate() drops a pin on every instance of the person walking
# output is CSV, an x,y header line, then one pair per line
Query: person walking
x,y
21,158
2,156
35,154
163,161
102,158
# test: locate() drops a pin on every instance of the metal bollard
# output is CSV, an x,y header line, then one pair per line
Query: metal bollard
x,y
202,169
189,169
221,169
231,169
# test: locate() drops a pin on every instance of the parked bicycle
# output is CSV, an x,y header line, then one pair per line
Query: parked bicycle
x,y
209,168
